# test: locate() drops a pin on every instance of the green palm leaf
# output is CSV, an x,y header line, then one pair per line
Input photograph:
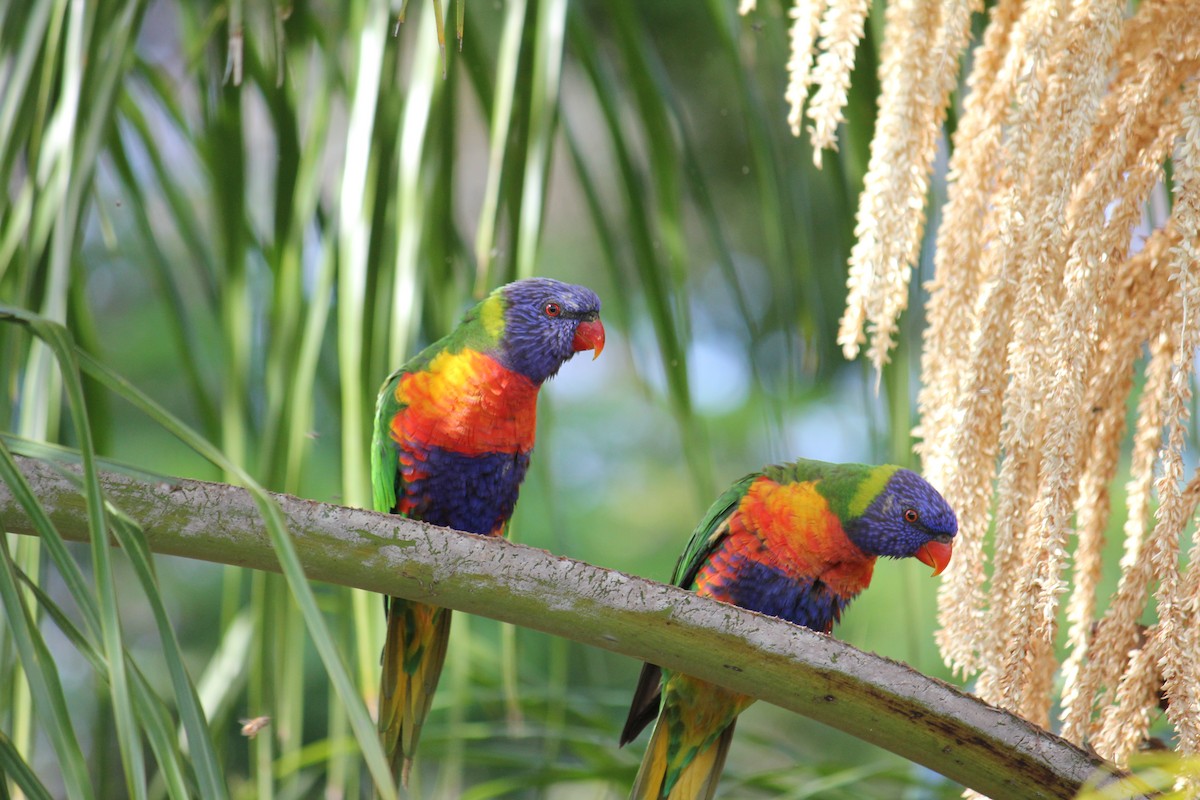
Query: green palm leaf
x,y
228,222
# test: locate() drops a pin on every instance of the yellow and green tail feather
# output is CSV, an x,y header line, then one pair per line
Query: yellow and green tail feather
x,y
413,656
692,774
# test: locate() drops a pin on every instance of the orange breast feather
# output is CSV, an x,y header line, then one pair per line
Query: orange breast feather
x,y
468,403
803,537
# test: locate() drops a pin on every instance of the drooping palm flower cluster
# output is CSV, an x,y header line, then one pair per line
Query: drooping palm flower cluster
x,y
1067,288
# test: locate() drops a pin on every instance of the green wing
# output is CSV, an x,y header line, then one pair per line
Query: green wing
x,y
707,537
385,456
711,531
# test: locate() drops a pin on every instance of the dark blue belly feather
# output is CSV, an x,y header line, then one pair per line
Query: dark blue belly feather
x,y
763,588
475,494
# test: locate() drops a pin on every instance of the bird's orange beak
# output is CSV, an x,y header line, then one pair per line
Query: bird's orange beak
x,y
590,336
936,554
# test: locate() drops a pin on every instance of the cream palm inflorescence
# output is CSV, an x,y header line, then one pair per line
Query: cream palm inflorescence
x,y
1066,287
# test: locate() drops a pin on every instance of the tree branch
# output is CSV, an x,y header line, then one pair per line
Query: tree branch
x,y
873,698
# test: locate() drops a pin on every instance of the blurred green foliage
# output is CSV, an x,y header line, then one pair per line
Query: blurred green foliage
x,y
253,211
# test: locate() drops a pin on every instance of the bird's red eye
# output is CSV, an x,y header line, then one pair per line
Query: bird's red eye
x,y
553,309
911,515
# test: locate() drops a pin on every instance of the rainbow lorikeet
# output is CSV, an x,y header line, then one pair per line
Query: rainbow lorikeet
x,y
454,428
796,541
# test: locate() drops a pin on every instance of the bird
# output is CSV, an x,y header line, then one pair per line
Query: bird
x,y
453,432
797,541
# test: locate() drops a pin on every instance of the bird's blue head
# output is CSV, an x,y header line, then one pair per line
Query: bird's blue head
x,y
906,518
545,323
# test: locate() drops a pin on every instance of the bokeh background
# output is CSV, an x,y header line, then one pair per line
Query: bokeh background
x,y
253,211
